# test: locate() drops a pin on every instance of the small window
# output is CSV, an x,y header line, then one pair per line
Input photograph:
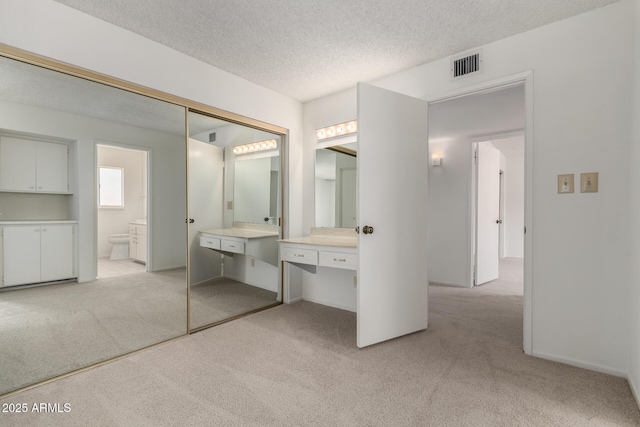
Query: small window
x,y
111,187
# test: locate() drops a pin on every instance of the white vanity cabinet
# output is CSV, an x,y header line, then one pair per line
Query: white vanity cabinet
x,y
138,242
318,254
257,243
38,252
33,166
331,256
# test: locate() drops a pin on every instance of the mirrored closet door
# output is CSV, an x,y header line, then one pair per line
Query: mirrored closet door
x,y
234,211
58,311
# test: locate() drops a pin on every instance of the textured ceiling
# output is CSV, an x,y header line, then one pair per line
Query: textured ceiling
x,y
309,48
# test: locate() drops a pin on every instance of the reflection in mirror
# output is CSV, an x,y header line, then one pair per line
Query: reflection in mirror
x,y
74,291
234,200
335,187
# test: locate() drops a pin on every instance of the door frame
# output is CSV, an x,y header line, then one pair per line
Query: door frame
x,y
148,154
526,79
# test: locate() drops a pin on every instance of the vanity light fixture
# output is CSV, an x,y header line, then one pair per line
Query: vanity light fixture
x,y
255,146
337,130
436,159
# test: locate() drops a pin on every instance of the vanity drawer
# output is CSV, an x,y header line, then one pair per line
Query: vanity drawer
x,y
301,256
338,260
233,246
209,242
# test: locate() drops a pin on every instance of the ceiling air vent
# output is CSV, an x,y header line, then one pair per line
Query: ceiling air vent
x,y
465,65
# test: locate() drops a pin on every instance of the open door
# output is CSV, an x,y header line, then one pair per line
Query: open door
x,y
488,213
392,212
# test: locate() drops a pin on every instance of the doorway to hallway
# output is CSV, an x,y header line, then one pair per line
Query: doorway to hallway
x,y
477,213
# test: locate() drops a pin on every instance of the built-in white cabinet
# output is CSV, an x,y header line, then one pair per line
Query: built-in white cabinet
x,y
260,243
37,253
138,242
33,166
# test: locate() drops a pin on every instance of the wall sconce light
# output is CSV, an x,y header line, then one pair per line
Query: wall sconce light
x,y
436,159
255,146
340,129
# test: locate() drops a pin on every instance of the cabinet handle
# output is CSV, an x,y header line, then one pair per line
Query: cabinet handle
x,y
44,229
298,255
339,260
39,187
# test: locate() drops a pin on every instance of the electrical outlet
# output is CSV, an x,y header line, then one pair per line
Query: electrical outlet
x,y
589,182
565,183
229,204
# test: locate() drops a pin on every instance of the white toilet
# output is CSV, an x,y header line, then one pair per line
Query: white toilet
x,y
120,244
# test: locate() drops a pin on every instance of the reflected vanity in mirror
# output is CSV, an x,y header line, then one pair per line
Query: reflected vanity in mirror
x,y
234,207
64,301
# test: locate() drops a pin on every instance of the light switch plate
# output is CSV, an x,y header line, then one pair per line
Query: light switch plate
x,y
565,183
229,204
589,182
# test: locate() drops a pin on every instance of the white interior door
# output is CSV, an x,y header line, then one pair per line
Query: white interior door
x,y
392,198
488,213
206,168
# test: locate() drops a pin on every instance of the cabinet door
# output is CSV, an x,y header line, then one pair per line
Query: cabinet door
x,y
133,245
56,252
52,168
141,243
392,198
17,164
21,249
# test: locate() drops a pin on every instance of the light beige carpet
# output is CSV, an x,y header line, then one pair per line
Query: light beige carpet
x,y
51,330
219,299
298,365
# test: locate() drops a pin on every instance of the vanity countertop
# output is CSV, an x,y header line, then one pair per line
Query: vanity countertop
x,y
243,233
36,222
342,242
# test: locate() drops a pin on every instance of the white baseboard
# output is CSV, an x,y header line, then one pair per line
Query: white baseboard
x,y
585,365
457,285
330,304
291,301
634,390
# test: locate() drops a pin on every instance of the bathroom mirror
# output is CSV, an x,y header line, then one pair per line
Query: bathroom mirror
x,y
335,186
234,206
255,192
87,299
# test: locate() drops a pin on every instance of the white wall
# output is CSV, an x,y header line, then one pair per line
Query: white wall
x,y
168,181
634,229
449,221
514,207
51,29
579,277
116,220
